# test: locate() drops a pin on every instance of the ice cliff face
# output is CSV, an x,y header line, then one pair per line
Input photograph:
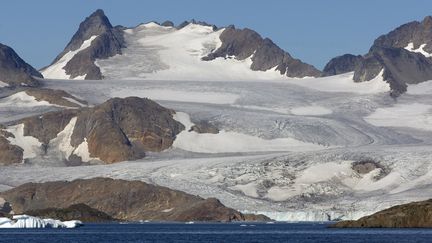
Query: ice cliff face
x,y
30,222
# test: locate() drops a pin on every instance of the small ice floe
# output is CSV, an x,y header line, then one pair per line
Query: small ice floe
x,y
26,221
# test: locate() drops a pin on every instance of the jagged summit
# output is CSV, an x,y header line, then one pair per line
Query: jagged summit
x,y
403,56
415,32
96,24
95,39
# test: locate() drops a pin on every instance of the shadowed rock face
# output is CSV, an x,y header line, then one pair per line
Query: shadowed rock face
x,y
204,127
245,43
46,127
411,215
414,32
5,208
108,43
123,129
9,153
120,199
401,66
14,70
80,212
342,64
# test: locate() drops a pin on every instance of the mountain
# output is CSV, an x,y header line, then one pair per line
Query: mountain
x,y
95,39
402,56
122,200
14,71
410,215
191,51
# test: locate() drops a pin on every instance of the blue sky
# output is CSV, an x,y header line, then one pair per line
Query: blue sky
x,y
312,30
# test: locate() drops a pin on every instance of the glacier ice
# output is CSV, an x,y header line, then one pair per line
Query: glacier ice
x,y
26,221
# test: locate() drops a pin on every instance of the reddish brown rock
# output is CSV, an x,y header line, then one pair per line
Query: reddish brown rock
x,y
410,215
120,199
124,129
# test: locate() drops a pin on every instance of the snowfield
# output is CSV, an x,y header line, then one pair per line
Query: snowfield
x,y
286,148
164,53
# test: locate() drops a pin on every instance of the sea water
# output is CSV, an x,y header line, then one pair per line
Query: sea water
x,y
214,232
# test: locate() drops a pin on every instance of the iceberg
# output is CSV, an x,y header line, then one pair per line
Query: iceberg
x,y
26,221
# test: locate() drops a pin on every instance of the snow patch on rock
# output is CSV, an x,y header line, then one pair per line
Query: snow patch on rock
x,y
410,47
57,71
30,145
22,99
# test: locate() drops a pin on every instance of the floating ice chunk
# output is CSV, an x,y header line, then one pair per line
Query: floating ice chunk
x,y
26,221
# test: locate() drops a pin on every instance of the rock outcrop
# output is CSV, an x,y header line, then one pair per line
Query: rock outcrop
x,y
120,199
80,212
5,208
411,215
204,127
401,67
246,43
342,64
46,127
123,129
116,130
56,97
108,42
415,32
9,153
14,71
404,55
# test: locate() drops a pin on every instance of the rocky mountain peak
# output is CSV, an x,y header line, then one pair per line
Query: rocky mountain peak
x,y
95,24
105,41
14,70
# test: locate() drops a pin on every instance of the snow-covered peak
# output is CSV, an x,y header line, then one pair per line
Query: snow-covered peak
x,y
197,28
152,24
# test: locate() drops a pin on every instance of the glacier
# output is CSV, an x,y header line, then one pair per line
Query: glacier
x,y
342,121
